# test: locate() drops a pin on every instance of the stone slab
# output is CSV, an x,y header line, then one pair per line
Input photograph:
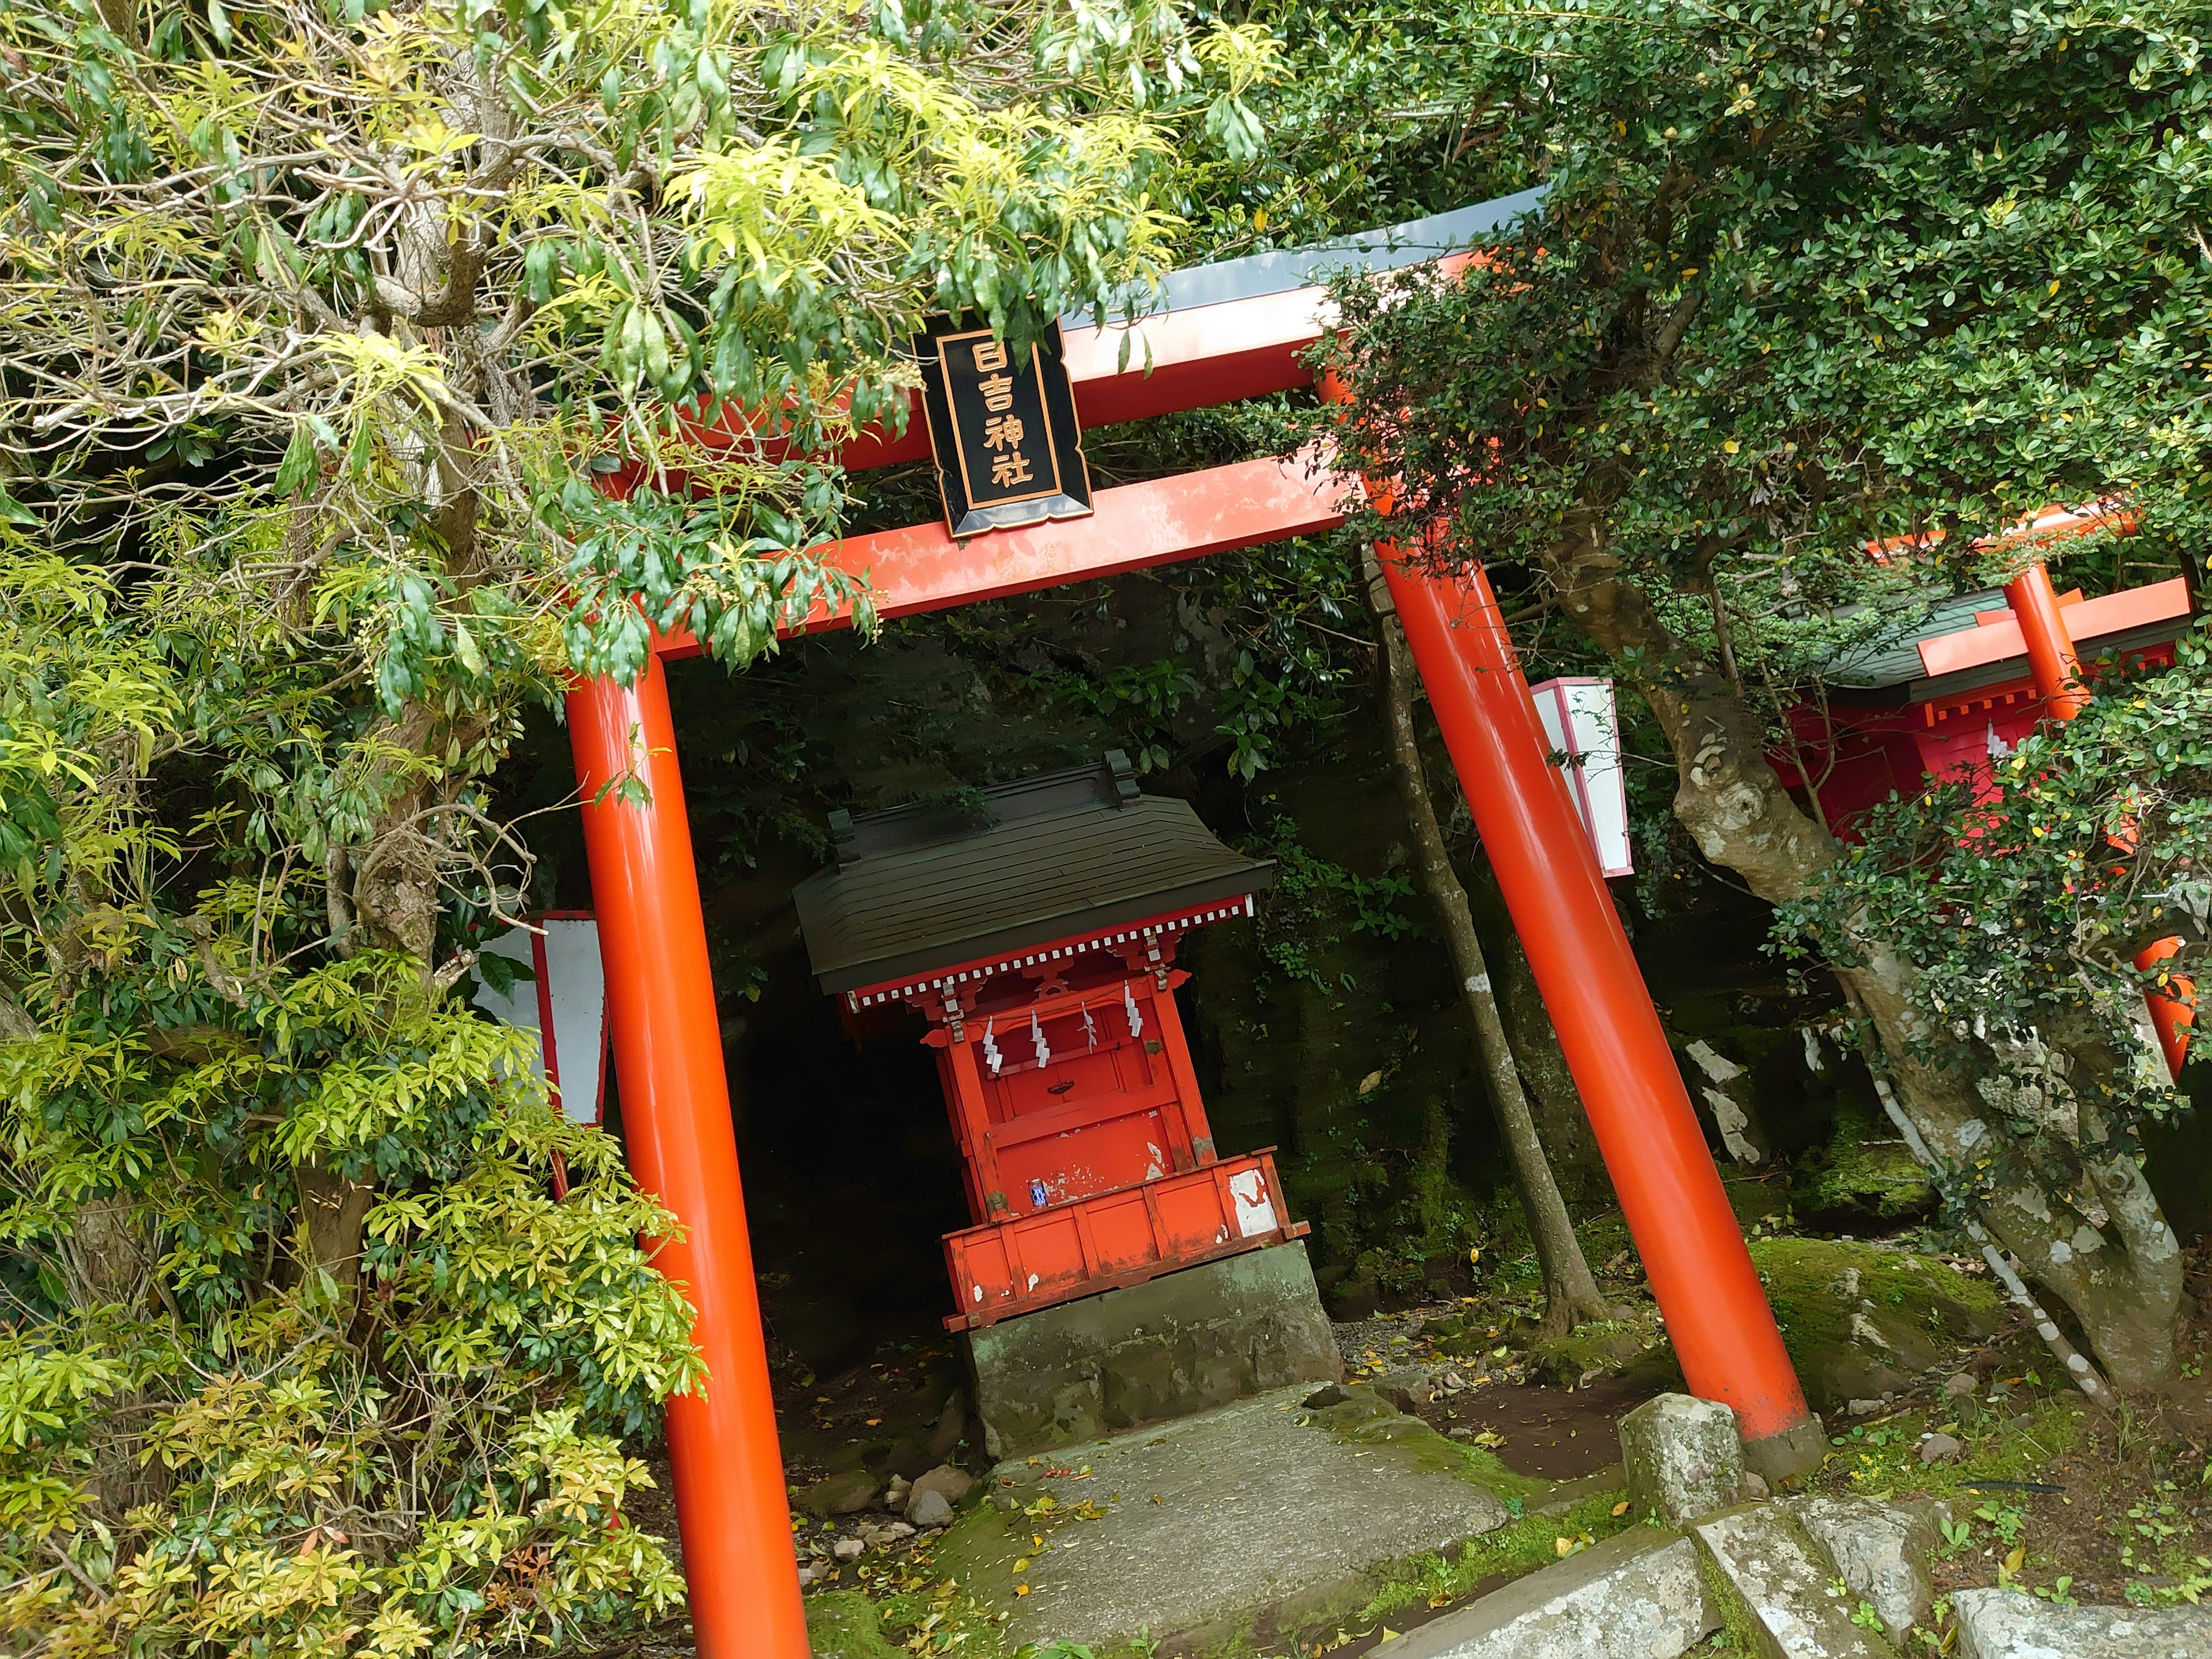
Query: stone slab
x,y
1788,1584
1186,1342
1682,1456
1638,1595
1253,1508
2009,1624
1881,1549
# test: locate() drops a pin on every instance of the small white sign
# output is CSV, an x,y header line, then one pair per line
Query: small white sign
x,y
1580,722
568,999
1256,1210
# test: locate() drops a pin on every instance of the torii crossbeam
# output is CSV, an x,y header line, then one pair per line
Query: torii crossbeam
x,y
1231,330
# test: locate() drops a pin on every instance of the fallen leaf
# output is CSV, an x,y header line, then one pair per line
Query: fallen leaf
x,y
1022,1565
1621,1508
1371,1082
2019,1554
1021,1589
1563,1547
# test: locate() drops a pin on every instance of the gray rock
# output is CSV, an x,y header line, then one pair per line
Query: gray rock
x,y
929,1509
812,1574
1636,1595
954,1483
1785,1581
1939,1448
2009,1624
951,1424
848,1549
1881,1552
1864,1408
1958,1387
847,1493
1681,1455
1755,1486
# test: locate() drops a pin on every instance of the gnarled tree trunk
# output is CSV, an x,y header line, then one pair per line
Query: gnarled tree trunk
x,y
2096,1239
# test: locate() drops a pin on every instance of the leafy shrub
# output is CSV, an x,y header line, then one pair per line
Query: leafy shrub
x,y
301,1356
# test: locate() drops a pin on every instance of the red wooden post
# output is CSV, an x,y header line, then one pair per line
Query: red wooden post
x,y
2056,667
1175,1048
1671,1194
730,1503
2051,655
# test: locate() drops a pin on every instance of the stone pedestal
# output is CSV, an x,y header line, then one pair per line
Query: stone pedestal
x,y
1172,1346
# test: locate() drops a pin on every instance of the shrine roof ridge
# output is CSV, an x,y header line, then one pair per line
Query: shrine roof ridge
x,y
1015,866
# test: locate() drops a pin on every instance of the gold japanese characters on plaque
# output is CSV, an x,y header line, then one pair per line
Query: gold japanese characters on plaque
x,y
1002,425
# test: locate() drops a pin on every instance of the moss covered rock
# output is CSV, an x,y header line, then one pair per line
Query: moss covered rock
x,y
845,1625
1862,1177
1861,1320
1602,1347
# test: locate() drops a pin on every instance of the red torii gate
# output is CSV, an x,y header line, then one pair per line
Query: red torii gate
x,y
1218,345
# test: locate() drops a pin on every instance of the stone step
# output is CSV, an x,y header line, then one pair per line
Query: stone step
x,y
1799,1608
1881,1550
1250,1514
1638,1595
2009,1624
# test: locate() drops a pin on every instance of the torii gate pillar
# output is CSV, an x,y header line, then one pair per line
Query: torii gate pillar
x,y
730,1503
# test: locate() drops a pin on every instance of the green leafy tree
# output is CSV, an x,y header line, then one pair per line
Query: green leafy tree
x,y
366,370
1805,278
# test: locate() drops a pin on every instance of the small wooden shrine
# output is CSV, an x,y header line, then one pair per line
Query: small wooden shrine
x,y
1036,928
1956,695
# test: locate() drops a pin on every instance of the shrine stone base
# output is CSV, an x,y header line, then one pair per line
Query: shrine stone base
x,y
1182,1343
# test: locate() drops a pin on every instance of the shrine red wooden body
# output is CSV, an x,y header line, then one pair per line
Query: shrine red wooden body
x,y
1087,1158
1949,702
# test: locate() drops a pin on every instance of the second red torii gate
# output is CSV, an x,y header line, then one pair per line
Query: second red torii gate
x,y
730,1494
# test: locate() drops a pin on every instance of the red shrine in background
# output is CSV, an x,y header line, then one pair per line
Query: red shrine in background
x,y
1946,700
1035,930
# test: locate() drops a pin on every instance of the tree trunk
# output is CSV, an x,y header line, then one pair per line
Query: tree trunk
x,y
2094,1236
1562,1125
332,1212
1570,1293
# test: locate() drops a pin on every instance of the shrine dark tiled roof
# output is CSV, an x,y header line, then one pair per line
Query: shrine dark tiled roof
x,y
920,887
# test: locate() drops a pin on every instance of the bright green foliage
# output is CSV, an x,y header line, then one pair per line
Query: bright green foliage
x,y
410,266
210,1440
358,362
